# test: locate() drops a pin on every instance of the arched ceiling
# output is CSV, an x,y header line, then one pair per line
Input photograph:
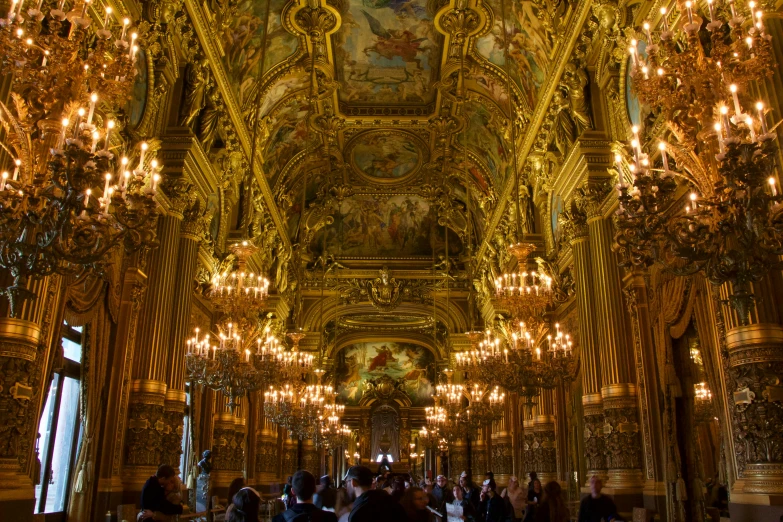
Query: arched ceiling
x,y
370,104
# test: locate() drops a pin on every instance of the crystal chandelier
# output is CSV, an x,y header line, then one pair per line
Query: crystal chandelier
x,y
76,189
233,366
716,149
525,293
239,292
298,408
486,405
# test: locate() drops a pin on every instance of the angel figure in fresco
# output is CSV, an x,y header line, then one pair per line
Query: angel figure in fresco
x,y
384,357
394,42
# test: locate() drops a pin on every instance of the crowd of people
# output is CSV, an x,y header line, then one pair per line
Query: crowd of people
x,y
368,497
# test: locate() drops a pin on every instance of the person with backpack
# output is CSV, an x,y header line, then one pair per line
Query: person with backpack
x,y
303,488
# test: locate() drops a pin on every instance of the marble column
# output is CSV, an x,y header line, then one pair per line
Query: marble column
x,y
621,431
575,229
26,343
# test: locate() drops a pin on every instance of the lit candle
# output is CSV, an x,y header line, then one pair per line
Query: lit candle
x,y
733,10
95,136
84,7
132,42
65,123
87,197
155,179
134,50
737,108
771,182
106,184
749,123
720,137
759,22
125,24
712,10
10,15
752,6
749,41
45,56
760,108
645,71
693,201
144,148
93,100
724,114
665,22
109,127
76,128
646,26
688,5
662,148
106,18
632,50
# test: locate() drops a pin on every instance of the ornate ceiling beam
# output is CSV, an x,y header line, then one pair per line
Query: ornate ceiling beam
x,y
208,40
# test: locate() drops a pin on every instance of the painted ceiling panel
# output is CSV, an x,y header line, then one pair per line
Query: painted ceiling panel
x,y
387,56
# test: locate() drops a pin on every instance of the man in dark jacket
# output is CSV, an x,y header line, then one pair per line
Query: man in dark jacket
x,y
153,494
303,488
470,491
371,505
325,495
597,507
491,507
442,493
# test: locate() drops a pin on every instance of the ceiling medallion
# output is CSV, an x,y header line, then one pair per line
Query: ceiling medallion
x,y
386,156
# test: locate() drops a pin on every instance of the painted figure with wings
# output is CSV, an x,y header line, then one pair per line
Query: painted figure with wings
x,y
394,42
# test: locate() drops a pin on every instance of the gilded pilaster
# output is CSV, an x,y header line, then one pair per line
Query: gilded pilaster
x,y
228,443
502,459
544,439
618,380
528,448
25,358
266,452
574,222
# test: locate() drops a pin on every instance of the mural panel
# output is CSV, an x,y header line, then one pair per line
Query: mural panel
x,y
386,52
382,225
385,155
484,137
243,41
288,135
360,362
530,46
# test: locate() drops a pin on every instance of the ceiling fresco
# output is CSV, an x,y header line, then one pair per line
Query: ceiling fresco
x,y
386,57
385,156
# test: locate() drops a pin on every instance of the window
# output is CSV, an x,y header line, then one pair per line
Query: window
x,y
59,429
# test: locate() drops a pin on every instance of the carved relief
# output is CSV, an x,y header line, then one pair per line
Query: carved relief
x,y
147,429
19,384
622,438
594,441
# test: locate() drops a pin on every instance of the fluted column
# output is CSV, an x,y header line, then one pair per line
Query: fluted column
x,y
175,403
144,440
618,381
575,228
544,440
25,357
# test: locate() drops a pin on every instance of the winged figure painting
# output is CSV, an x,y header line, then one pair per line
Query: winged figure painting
x,y
394,42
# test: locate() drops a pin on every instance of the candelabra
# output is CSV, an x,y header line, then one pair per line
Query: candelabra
x,y
702,403
729,227
76,189
298,408
333,433
486,405
239,293
525,293
232,366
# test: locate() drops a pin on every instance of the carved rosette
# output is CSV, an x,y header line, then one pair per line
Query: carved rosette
x,y
594,438
544,448
623,441
756,368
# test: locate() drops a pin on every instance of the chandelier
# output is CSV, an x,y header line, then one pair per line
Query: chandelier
x,y
333,433
720,151
486,405
75,189
232,366
298,408
239,292
521,365
525,293
702,403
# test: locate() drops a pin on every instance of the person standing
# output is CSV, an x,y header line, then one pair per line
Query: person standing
x,y
516,497
459,509
442,493
597,507
533,499
153,494
303,489
415,502
371,505
325,495
552,507
471,492
491,505
244,506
